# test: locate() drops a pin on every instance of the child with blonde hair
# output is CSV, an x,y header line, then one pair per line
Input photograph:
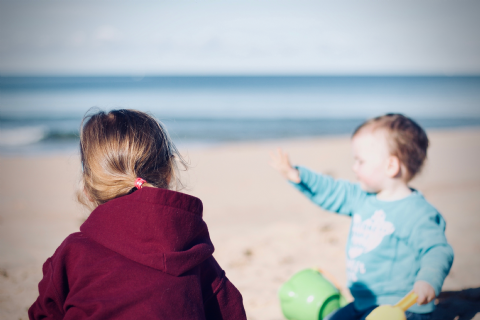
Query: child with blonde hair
x,y
144,252
397,239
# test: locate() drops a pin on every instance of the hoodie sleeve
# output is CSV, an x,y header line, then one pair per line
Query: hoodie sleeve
x,y
333,195
49,302
428,238
224,300
227,303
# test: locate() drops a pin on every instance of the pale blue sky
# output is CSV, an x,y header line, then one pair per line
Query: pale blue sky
x,y
239,37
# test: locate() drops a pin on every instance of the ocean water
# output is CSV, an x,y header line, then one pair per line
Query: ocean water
x,y
43,114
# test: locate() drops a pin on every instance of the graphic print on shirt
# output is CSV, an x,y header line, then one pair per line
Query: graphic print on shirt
x,y
353,268
366,236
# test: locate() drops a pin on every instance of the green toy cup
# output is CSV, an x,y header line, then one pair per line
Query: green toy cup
x,y
308,295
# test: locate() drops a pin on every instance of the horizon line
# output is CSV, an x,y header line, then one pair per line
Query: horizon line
x,y
245,75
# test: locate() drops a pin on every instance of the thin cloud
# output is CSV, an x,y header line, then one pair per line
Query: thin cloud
x,y
254,37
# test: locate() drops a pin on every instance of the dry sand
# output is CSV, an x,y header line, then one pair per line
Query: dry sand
x,y
263,230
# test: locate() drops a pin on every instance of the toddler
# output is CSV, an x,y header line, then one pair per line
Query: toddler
x,y
144,252
397,241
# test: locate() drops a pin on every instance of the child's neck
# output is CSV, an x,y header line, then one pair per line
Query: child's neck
x,y
394,190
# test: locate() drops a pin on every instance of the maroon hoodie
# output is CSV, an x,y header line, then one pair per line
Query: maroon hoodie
x,y
147,255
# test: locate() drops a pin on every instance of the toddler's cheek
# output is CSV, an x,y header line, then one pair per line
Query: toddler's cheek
x,y
365,182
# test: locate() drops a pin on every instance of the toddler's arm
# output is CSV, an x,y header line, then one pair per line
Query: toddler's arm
x,y
333,195
428,237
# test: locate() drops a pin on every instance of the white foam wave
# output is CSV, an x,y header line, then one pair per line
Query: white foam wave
x,y
22,135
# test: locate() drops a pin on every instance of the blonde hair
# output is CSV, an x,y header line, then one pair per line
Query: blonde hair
x,y
407,140
120,146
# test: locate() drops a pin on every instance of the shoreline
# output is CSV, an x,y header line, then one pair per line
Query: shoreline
x,y
72,148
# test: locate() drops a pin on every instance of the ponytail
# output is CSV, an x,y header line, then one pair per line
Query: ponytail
x,y
121,146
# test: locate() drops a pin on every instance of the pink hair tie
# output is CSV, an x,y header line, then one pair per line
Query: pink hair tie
x,y
139,182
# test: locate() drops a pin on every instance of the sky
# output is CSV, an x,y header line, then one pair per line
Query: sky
x,y
226,37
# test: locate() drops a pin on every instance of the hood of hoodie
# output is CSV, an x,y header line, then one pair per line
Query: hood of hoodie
x,y
159,228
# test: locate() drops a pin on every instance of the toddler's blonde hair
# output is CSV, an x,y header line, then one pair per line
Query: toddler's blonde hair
x,y
120,146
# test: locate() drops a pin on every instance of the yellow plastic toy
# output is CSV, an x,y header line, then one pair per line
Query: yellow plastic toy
x,y
396,312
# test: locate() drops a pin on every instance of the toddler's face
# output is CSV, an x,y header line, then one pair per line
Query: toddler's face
x,y
371,156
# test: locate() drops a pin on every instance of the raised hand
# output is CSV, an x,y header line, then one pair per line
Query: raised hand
x,y
279,161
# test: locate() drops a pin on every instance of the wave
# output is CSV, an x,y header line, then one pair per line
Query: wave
x,y
28,135
22,136
16,134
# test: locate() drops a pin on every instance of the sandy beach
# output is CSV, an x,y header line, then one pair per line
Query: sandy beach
x,y
263,229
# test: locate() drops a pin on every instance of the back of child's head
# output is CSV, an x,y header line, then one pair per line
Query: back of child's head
x,y
120,146
406,140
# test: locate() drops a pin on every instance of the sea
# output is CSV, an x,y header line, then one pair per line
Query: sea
x,y
42,115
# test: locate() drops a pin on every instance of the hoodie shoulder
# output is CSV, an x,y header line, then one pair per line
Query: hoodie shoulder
x,y
76,242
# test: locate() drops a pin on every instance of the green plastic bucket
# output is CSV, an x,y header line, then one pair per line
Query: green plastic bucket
x,y
308,295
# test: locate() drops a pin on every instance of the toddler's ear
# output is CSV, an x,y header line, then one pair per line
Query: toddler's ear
x,y
394,167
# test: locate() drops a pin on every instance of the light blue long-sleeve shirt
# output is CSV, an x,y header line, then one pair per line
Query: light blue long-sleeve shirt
x,y
391,245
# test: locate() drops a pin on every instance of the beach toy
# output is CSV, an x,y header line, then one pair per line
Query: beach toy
x,y
308,295
396,312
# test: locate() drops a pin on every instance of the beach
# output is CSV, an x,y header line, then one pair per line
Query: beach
x,y
262,228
